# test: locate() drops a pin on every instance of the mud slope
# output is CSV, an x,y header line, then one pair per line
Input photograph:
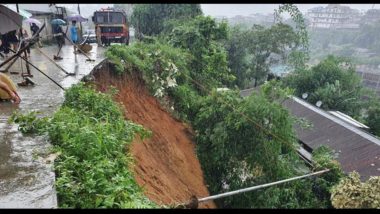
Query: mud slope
x,y
166,164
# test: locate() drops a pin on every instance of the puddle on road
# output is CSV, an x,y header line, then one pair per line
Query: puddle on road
x,y
26,180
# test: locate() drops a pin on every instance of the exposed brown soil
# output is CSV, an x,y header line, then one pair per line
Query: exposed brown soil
x,y
166,164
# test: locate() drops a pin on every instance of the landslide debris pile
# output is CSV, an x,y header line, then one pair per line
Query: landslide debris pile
x,y
166,164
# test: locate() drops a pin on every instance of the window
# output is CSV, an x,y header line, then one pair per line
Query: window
x,y
109,17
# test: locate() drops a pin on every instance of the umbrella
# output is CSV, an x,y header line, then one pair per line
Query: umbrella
x,y
9,20
58,22
31,20
23,13
77,18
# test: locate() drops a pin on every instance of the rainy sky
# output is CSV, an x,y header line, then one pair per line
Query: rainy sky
x,y
228,10
231,10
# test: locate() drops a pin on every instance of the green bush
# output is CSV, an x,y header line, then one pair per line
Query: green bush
x,y
187,101
94,169
162,66
352,193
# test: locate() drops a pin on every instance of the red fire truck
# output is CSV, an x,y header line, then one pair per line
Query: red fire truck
x,y
111,26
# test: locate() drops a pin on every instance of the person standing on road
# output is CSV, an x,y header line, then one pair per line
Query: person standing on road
x,y
58,35
24,36
74,35
13,40
34,28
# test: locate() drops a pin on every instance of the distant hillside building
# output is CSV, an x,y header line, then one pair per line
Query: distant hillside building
x,y
372,16
334,16
250,20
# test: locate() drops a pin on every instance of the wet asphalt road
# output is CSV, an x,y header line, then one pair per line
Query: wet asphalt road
x,y
26,178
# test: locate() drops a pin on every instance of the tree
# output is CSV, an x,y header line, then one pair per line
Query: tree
x,y
128,8
247,142
202,37
352,193
150,19
333,81
236,152
373,119
236,47
252,52
300,56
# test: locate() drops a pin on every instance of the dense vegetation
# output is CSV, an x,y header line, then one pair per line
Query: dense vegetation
x,y
247,142
235,136
152,19
251,52
229,145
185,60
352,193
94,168
335,82
347,43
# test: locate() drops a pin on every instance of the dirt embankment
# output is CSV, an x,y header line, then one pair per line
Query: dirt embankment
x,y
166,164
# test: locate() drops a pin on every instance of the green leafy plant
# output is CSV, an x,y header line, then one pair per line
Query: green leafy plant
x,y
352,193
153,19
160,64
94,169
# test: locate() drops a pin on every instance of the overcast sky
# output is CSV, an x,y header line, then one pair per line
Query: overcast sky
x,y
228,10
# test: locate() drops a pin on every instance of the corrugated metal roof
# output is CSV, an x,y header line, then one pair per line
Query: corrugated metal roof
x,y
357,149
41,8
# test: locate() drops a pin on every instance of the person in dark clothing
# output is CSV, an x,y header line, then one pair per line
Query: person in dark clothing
x,y
1,45
13,40
34,28
58,35
24,35
5,44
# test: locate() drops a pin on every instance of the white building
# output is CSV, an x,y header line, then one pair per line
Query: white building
x,y
334,16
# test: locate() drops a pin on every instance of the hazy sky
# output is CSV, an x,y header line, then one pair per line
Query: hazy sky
x,y
228,10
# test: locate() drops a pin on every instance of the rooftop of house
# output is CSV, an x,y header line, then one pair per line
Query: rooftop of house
x,y
356,148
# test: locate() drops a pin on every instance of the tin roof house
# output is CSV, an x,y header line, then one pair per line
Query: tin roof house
x,y
356,148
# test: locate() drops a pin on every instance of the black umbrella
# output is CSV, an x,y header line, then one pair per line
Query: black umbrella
x,y
9,20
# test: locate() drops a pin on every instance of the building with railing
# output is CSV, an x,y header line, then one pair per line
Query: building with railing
x,y
334,16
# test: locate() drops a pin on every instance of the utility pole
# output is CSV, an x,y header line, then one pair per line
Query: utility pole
x,y
80,23
26,57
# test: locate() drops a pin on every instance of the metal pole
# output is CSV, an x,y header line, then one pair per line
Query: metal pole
x,y
259,186
21,38
40,71
54,62
80,23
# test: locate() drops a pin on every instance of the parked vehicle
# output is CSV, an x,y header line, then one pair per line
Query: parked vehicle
x,y
111,26
90,36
